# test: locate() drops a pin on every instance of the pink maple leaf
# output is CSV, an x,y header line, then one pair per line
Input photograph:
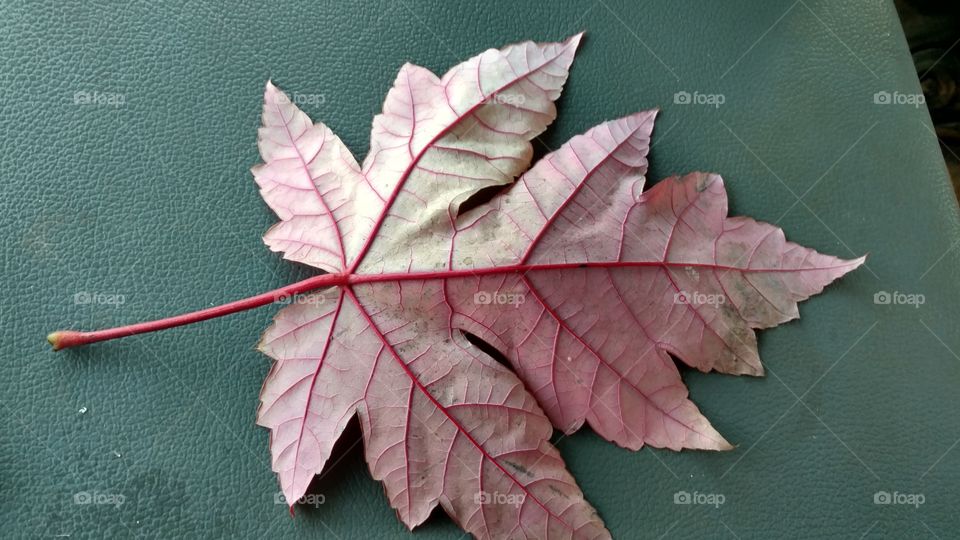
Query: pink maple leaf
x,y
585,282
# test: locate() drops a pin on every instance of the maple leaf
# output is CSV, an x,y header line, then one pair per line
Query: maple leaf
x,y
583,281
586,283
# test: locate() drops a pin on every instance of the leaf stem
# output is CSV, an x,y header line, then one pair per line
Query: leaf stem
x,y
64,339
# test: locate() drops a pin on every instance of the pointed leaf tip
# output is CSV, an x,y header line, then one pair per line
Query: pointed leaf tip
x,y
724,446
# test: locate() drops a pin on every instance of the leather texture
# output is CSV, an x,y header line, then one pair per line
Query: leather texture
x,y
150,201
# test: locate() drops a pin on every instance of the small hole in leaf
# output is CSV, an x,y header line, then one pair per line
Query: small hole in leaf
x,y
487,348
479,198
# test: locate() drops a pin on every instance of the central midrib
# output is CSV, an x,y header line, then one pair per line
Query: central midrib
x,y
358,279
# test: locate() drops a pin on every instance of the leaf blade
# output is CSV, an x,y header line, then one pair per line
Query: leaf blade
x,y
419,143
585,282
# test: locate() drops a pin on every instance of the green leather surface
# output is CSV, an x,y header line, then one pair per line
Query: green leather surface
x,y
152,200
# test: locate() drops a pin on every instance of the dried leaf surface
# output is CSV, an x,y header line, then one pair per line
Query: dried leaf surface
x,y
583,280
